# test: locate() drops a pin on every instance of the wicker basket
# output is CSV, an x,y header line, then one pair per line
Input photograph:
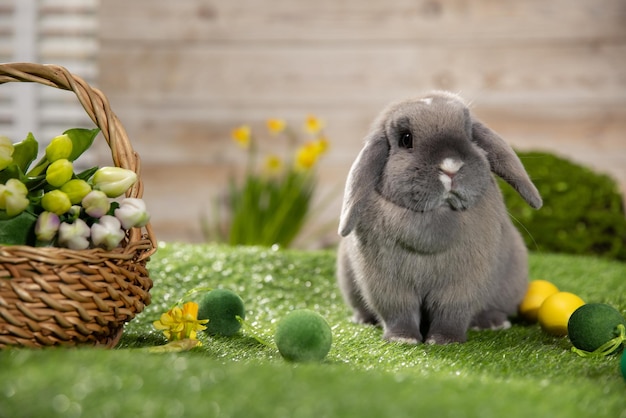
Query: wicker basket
x,y
57,296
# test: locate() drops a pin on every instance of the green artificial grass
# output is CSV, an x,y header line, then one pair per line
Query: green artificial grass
x,y
519,372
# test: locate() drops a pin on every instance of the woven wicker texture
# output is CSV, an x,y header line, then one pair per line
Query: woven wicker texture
x,y
57,296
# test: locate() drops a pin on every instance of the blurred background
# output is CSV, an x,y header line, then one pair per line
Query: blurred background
x,y
546,75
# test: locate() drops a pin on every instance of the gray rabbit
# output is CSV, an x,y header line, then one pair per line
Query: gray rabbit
x,y
428,249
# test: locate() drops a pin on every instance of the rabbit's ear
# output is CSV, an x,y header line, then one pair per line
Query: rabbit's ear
x,y
364,175
505,163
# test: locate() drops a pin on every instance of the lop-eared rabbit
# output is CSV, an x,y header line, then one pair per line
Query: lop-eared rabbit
x,y
428,249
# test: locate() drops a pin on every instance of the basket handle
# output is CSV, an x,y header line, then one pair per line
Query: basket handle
x,y
97,107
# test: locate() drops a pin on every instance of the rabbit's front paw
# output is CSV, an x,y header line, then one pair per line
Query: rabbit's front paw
x,y
402,334
441,339
491,319
402,340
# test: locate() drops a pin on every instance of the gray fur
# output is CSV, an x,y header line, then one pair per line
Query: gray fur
x,y
424,254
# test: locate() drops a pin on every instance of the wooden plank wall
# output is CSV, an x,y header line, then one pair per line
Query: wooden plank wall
x,y
181,74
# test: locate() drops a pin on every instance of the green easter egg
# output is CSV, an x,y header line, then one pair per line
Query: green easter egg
x,y
624,365
221,307
303,336
594,324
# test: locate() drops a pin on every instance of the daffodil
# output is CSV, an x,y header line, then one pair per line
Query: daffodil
x,y
272,187
308,154
321,145
181,323
313,125
242,135
276,126
273,164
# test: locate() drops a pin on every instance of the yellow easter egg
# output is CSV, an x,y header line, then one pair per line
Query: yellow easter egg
x,y
538,291
554,312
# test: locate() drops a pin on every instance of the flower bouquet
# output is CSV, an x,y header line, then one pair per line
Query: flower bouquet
x,y
73,245
50,205
273,202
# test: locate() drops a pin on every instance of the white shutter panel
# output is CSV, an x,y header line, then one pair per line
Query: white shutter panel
x,y
62,32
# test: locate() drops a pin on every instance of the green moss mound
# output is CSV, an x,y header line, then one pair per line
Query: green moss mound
x,y
594,324
583,211
303,336
221,307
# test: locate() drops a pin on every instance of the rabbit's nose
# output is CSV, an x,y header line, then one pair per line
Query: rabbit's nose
x,y
450,166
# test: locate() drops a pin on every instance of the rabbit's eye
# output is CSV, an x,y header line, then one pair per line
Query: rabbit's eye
x,y
406,140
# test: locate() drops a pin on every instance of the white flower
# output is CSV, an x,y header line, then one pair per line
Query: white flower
x,y
114,181
75,235
13,197
96,204
107,232
132,213
47,226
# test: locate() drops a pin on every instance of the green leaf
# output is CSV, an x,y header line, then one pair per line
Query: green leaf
x,y
267,211
18,230
81,140
39,168
87,174
25,152
34,183
11,172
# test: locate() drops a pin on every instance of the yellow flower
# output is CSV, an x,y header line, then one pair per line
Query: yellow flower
x,y
307,156
242,135
276,126
321,145
313,125
273,164
178,324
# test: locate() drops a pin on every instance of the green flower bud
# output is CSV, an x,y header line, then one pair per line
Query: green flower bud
x,y
60,148
6,152
74,212
56,201
13,197
59,173
76,190
114,181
